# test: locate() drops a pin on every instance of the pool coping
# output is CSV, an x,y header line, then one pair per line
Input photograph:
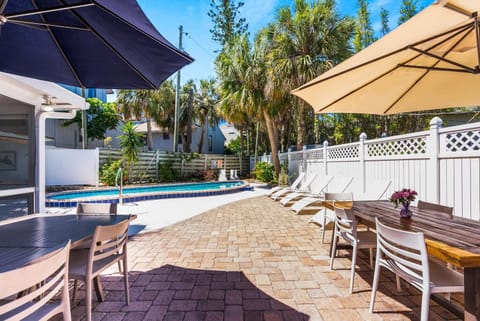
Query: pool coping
x,y
144,196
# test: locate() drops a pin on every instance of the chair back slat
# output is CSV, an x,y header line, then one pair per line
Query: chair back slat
x,y
97,208
109,240
48,275
346,223
407,250
446,211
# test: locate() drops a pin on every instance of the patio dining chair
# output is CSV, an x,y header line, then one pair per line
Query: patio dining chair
x,y
41,281
447,211
326,216
346,229
108,246
405,254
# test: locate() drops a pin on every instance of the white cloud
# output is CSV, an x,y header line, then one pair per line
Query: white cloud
x,y
376,5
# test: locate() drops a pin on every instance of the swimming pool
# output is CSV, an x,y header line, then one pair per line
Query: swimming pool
x,y
143,193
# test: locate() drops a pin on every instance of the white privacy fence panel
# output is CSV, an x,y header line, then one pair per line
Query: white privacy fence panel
x,y
71,166
441,164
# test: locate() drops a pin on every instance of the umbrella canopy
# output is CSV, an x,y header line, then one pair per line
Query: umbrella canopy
x,y
429,62
85,43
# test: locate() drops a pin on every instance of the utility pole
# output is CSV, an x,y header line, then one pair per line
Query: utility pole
x,y
177,95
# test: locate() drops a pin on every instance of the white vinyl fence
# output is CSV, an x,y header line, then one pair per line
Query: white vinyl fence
x,y
71,166
441,164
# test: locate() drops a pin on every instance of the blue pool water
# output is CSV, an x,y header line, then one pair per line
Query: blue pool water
x,y
132,191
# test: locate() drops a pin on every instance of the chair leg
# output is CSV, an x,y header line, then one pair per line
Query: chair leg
x,y
399,284
323,226
125,279
88,298
425,305
66,313
334,249
371,258
376,277
354,262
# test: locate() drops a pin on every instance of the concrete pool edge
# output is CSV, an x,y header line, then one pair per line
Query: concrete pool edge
x,y
147,196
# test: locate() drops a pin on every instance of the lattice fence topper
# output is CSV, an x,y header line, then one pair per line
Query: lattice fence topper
x,y
466,141
346,152
296,156
412,146
315,154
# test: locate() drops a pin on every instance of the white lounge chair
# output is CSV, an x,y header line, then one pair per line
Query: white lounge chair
x,y
304,188
337,185
317,187
375,190
293,186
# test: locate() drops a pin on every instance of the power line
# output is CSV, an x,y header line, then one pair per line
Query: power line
x,y
207,51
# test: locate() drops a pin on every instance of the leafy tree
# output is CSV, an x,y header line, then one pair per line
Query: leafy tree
x,y
300,44
205,101
384,20
408,9
130,142
363,36
100,118
226,21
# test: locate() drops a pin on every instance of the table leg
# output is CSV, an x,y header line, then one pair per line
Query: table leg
x,y
472,294
97,284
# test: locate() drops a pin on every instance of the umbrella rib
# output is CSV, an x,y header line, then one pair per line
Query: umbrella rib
x,y
54,38
38,24
53,9
426,72
3,5
314,82
426,53
186,56
152,85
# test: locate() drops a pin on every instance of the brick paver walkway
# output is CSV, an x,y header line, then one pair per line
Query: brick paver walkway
x,y
252,260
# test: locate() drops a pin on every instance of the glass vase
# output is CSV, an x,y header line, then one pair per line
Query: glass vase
x,y
405,212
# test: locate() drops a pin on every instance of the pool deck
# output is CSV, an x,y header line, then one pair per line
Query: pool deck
x,y
250,260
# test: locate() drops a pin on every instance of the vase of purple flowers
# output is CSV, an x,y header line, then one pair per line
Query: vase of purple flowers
x,y
404,198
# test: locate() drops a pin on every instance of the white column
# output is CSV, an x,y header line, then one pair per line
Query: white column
x,y
433,150
361,152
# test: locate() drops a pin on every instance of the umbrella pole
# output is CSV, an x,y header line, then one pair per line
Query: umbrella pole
x,y
84,124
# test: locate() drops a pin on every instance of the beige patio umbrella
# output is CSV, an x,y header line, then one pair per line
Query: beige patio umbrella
x,y
429,62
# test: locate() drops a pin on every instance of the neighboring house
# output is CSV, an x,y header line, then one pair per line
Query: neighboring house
x,y
213,142
69,137
25,104
230,133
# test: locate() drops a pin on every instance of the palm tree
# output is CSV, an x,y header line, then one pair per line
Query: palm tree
x,y
243,81
205,102
302,44
130,142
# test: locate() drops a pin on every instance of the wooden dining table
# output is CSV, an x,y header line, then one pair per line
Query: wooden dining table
x,y
25,239
452,240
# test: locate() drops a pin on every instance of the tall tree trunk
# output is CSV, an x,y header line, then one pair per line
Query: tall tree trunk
x,y
183,138
273,138
149,134
202,136
187,148
302,116
242,142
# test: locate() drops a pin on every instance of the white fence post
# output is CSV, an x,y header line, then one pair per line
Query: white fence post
x,y
325,157
304,156
289,160
361,150
433,149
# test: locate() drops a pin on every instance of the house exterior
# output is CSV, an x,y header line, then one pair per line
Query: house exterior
x,y
213,142
25,105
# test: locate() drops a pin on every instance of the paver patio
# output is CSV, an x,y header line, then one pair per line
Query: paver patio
x,y
251,260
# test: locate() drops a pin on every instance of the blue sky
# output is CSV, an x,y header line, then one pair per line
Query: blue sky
x,y
167,16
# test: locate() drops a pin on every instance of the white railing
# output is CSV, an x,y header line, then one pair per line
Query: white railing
x,y
441,164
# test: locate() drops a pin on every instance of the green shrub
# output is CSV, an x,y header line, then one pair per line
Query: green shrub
x,y
283,176
264,172
109,172
166,172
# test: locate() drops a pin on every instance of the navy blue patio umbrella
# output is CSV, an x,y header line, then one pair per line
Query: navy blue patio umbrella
x,y
95,44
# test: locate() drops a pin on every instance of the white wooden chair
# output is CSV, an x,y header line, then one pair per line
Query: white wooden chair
x,y
325,216
46,276
108,246
405,254
447,211
96,208
346,228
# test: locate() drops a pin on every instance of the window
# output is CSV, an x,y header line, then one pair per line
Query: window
x,y
210,143
15,206
17,157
